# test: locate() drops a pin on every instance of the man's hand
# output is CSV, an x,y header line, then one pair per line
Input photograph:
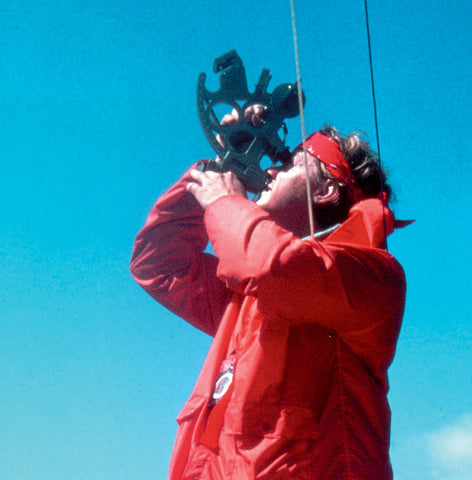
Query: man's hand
x,y
254,115
208,186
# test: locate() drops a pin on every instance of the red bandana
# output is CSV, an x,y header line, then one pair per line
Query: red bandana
x,y
327,151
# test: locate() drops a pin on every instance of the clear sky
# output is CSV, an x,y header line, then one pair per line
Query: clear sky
x,y
98,118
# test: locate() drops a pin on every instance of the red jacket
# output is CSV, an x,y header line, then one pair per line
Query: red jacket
x,y
310,325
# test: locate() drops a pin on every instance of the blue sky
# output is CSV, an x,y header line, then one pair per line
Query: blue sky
x,y
98,118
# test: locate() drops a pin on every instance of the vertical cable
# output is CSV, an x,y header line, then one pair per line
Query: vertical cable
x,y
382,186
302,121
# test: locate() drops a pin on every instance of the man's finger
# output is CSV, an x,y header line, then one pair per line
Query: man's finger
x,y
197,175
190,187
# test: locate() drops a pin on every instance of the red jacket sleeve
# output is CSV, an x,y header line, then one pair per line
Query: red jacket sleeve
x,y
356,291
169,261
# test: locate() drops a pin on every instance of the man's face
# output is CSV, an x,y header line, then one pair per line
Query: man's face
x,y
285,196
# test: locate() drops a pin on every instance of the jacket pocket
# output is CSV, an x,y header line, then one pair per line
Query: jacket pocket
x,y
272,421
191,409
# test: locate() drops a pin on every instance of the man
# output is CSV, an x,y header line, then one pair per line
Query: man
x,y
295,383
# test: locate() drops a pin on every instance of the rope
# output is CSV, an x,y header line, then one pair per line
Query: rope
x,y
377,136
302,118
302,121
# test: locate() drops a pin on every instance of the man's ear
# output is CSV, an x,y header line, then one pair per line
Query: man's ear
x,y
327,193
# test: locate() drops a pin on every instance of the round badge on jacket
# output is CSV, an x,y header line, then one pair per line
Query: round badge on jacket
x,y
223,382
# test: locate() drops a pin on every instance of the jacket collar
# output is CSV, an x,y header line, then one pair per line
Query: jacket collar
x,y
369,222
